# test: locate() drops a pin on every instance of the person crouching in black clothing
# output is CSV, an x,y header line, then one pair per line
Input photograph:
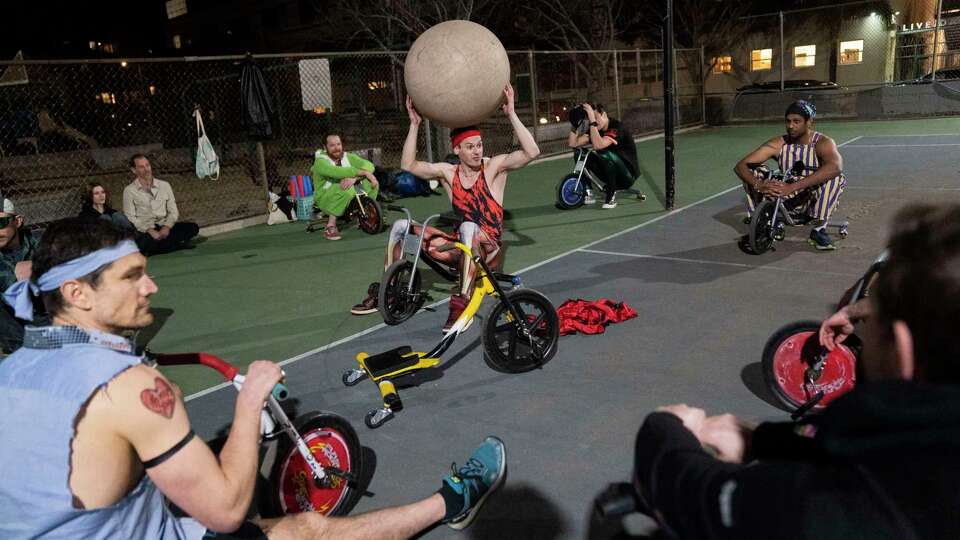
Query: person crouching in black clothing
x,y
882,461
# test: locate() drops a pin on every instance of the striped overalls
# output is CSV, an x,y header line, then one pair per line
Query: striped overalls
x,y
818,202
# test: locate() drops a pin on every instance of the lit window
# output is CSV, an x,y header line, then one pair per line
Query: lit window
x,y
176,8
805,56
176,41
851,52
377,85
108,48
761,59
93,45
721,64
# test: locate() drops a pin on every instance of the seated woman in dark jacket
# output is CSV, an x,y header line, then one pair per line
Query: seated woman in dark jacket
x,y
95,206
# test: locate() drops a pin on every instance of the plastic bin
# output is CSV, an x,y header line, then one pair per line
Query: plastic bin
x,y
304,207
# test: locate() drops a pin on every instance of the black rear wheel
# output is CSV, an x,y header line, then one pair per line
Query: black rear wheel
x,y
516,346
762,226
398,299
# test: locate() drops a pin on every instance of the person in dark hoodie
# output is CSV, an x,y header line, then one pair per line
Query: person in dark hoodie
x,y
882,461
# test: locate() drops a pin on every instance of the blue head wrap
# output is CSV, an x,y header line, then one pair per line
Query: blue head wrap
x,y
803,108
18,294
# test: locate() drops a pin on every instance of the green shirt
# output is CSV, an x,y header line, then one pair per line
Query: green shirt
x,y
325,170
10,257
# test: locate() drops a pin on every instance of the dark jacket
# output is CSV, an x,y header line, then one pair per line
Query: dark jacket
x,y
89,212
10,257
881,462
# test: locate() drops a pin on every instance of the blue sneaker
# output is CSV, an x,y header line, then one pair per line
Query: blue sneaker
x,y
480,476
821,240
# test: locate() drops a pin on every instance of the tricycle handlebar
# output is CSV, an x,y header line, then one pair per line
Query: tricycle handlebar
x,y
228,370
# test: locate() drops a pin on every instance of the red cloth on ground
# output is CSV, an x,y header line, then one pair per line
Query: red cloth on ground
x,y
591,317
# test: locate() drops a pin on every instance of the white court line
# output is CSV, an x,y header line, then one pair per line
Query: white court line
x,y
900,145
857,138
717,263
527,269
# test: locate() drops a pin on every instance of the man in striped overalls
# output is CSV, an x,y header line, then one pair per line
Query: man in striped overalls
x,y
823,179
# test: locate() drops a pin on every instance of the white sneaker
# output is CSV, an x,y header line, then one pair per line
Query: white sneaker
x,y
611,204
589,198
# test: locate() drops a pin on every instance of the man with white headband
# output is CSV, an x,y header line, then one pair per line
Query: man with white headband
x,y
817,194
475,187
96,441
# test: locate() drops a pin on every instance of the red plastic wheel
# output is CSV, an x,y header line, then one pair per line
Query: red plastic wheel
x,y
795,349
333,443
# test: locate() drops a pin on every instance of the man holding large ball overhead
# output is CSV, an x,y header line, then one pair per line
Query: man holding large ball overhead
x,y
475,188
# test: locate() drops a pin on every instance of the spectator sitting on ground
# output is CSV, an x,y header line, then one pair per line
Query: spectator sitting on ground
x,y
96,441
17,245
881,461
95,206
334,174
149,204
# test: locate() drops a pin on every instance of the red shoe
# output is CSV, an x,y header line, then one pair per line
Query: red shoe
x,y
331,233
369,304
458,303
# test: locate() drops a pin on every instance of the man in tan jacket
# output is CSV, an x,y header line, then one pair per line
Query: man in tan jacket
x,y
149,204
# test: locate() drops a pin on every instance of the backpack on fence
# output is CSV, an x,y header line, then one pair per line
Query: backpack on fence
x,y
208,165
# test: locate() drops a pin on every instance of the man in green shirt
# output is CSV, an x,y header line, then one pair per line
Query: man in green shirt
x,y
335,173
16,251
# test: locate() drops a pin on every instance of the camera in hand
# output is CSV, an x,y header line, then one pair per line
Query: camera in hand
x,y
576,116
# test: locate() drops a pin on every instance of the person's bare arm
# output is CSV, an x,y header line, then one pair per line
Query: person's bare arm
x,y
408,159
831,165
598,141
835,328
576,140
528,146
152,417
769,150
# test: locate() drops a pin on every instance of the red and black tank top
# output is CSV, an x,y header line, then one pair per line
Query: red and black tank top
x,y
478,205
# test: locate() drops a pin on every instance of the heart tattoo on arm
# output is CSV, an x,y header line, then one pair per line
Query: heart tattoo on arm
x,y
159,399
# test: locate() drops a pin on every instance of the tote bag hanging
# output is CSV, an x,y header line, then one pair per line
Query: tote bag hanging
x,y
208,165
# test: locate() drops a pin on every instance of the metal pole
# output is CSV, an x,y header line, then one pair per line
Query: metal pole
x,y
936,42
783,57
262,172
670,171
616,83
533,94
428,135
703,88
639,80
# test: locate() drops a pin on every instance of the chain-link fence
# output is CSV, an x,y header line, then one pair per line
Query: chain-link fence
x,y
867,59
66,123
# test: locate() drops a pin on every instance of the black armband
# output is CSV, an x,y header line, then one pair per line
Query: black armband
x,y
169,453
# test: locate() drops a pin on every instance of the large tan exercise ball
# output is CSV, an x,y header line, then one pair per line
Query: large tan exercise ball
x,y
456,72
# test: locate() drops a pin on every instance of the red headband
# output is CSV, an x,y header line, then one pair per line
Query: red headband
x,y
459,137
